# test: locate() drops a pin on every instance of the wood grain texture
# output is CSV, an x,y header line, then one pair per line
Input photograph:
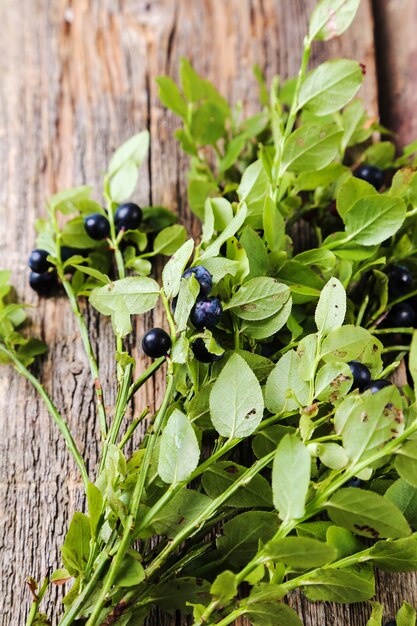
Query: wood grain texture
x,y
78,79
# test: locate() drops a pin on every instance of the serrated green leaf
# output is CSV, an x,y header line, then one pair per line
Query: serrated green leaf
x,y
268,327
299,552
236,402
187,295
173,270
311,147
355,584
406,462
404,496
223,474
179,450
76,548
285,389
170,96
373,219
272,614
224,588
130,572
291,478
180,593
231,229
273,225
331,18
186,505
395,556
331,308
169,239
133,150
406,616
258,299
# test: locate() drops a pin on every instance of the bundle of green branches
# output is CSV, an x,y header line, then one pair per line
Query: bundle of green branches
x,y
279,424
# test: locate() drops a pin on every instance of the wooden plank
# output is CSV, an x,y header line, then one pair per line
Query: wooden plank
x,y
396,44
77,79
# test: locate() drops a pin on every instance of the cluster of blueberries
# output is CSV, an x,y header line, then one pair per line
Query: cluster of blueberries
x,y
43,278
206,313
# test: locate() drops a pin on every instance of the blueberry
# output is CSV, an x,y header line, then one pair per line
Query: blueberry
x,y
43,283
206,313
400,280
354,482
97,226
156,342
376,385
38,261
371,174
401,315
203,277
201,353
128,216
361,375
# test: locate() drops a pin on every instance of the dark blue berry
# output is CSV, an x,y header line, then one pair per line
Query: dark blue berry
x,y
354,482
43,283
206,313
203,277
201,353
361,375
401,315
156,342
97,226
400,280
371,174
38,261
376,385
128,216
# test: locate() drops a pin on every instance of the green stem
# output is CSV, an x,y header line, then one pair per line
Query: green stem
x,y
36,602
53,411
232,617
171,323
395,348
128,434
389,331
89,352
148,373
134,504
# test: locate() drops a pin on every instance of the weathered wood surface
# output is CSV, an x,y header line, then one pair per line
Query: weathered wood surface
x,y
77,79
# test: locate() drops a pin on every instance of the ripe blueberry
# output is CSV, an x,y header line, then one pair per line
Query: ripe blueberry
x,y
201,353
400,280
361,375
203,277
43,283
97,226
128,216
354,482
38,261
371,174
376,385
401,315
206,313
156,342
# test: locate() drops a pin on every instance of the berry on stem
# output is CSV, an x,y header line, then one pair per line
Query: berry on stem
x,y
128,216
400,280
43,283
156,343
370,174
206,313
201,353
401,315
376,385
354,482
203,277
97,226
361,375
38,261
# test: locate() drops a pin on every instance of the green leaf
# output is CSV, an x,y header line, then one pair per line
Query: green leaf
x,y
349,343
333,381
169,240
273,225
330,18
217,478
311,147
242,535
309,181
186,505
170,96
253,188
406,462
285,389
331,308
231,229
125,297
95,506
67,201
350,192
189,290
300,552
180,593
91,271
130,573
366,422
76,548
330,86
367,513
412,359
132,151
272,614
395,556
404,496
173,270
255,249
373,219
381,154
236,402
258,299
224,587
268,327
267,439
406,616
355,584
74,236
291,478
179,450
343,541
377,615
